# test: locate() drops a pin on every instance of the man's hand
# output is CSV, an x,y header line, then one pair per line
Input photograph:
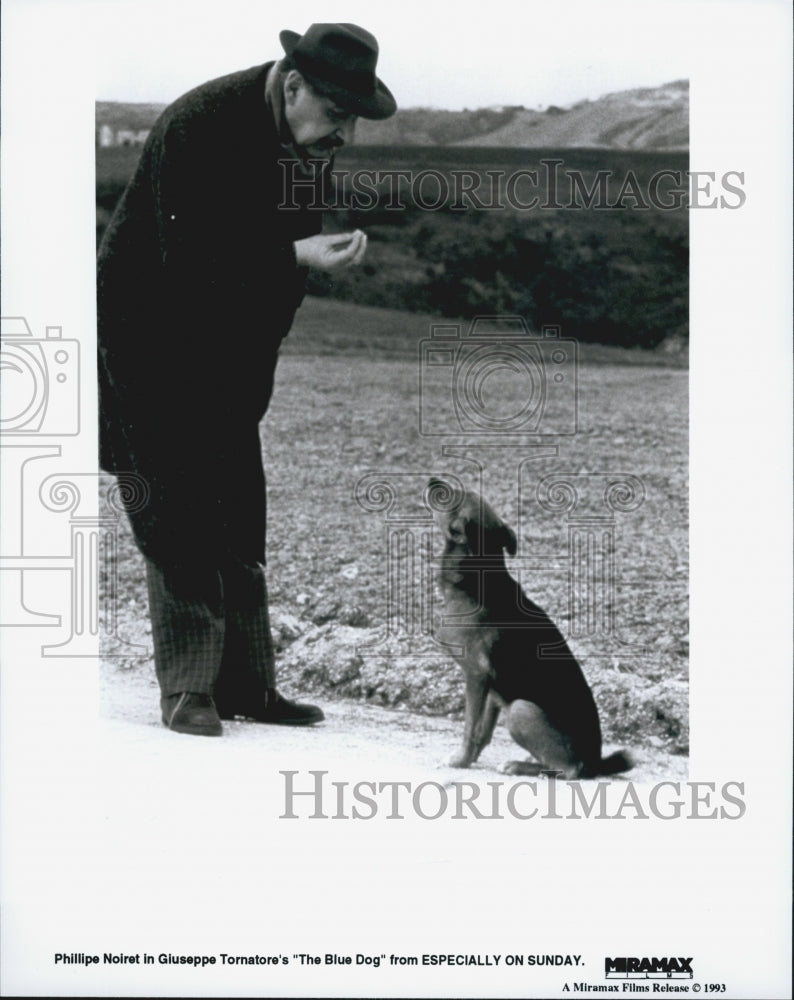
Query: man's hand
x,y
331,253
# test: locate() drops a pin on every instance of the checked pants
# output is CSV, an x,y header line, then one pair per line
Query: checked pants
x,y
211,630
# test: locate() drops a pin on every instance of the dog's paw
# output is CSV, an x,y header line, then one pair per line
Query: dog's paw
x,y
457,760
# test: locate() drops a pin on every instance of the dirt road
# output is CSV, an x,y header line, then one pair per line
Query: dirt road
x,y
353,732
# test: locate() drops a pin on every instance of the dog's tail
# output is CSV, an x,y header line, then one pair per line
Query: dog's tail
x,y
615,763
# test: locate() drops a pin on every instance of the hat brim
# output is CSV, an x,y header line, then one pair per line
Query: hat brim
x,y
378,105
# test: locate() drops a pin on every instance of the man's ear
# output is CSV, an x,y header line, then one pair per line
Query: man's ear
x,y
293,82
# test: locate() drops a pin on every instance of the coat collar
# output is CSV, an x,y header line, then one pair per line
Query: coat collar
x,y
274,101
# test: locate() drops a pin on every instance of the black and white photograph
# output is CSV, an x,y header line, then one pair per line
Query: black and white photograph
x,y
395,578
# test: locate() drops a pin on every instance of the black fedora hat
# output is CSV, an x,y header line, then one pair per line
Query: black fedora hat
x,y
339,61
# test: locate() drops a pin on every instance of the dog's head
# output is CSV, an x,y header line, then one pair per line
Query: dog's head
x,y
470,526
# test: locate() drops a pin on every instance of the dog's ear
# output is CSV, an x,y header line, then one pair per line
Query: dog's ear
x,y
510,541
475,535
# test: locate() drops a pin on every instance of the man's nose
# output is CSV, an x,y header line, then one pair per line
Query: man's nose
x,y
346,131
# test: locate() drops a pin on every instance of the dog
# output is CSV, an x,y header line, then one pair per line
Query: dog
x,y
512,654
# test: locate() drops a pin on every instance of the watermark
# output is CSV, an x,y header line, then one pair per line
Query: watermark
x,y
41,381
314,794
61,528
405,504
80,515
549,186
496,395
497,379
589,503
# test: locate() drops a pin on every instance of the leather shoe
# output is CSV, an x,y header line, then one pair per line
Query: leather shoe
x,y
277,711
195,714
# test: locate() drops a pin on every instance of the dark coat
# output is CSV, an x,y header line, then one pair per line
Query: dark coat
x,y
197,287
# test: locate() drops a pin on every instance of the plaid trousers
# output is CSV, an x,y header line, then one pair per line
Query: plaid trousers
x,y
211,630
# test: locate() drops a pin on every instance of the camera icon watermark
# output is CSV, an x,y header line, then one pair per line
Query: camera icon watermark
x,y
41,381
497,379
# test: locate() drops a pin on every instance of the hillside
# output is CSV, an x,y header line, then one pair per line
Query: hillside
x,y
646,118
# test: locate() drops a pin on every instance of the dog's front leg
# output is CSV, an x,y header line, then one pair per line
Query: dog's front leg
x,y
476,694
488,719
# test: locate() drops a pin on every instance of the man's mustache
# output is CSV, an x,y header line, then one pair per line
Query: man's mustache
x,y
328,143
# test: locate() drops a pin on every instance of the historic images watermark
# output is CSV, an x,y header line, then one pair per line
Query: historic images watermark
x,y
57,525
315,795
551,186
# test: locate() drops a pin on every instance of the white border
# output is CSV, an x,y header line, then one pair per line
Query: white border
x,y
640,882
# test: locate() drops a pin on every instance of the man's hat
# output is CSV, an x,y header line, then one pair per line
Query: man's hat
x,y
339,61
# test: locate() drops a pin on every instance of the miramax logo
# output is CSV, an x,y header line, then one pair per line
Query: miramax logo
x,y
648,968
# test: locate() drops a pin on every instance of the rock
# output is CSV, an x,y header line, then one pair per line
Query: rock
x,y
326,610
353,615
344,670
327,657
285,625
329,609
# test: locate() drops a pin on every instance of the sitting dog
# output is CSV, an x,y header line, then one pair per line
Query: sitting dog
x,y
512,654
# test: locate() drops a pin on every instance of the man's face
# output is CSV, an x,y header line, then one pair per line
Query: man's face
x,y
317,124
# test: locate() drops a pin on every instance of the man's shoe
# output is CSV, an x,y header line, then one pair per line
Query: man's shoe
x,y
191,713
278,711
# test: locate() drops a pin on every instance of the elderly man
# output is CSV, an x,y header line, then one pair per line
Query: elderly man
x,y
200,273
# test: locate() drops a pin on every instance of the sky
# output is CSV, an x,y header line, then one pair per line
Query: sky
x,y
439,54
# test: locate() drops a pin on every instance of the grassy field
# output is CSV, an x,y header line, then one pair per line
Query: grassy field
x,y
346,412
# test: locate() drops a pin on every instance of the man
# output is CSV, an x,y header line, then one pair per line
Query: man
x,y
200,273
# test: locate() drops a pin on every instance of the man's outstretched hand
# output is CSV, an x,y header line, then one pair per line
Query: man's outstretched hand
x,y
331,252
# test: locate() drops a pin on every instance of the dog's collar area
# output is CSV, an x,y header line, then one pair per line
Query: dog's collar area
x,y
474,563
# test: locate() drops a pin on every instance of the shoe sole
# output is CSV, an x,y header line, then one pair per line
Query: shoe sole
x,y
188,730
290,722
276,722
